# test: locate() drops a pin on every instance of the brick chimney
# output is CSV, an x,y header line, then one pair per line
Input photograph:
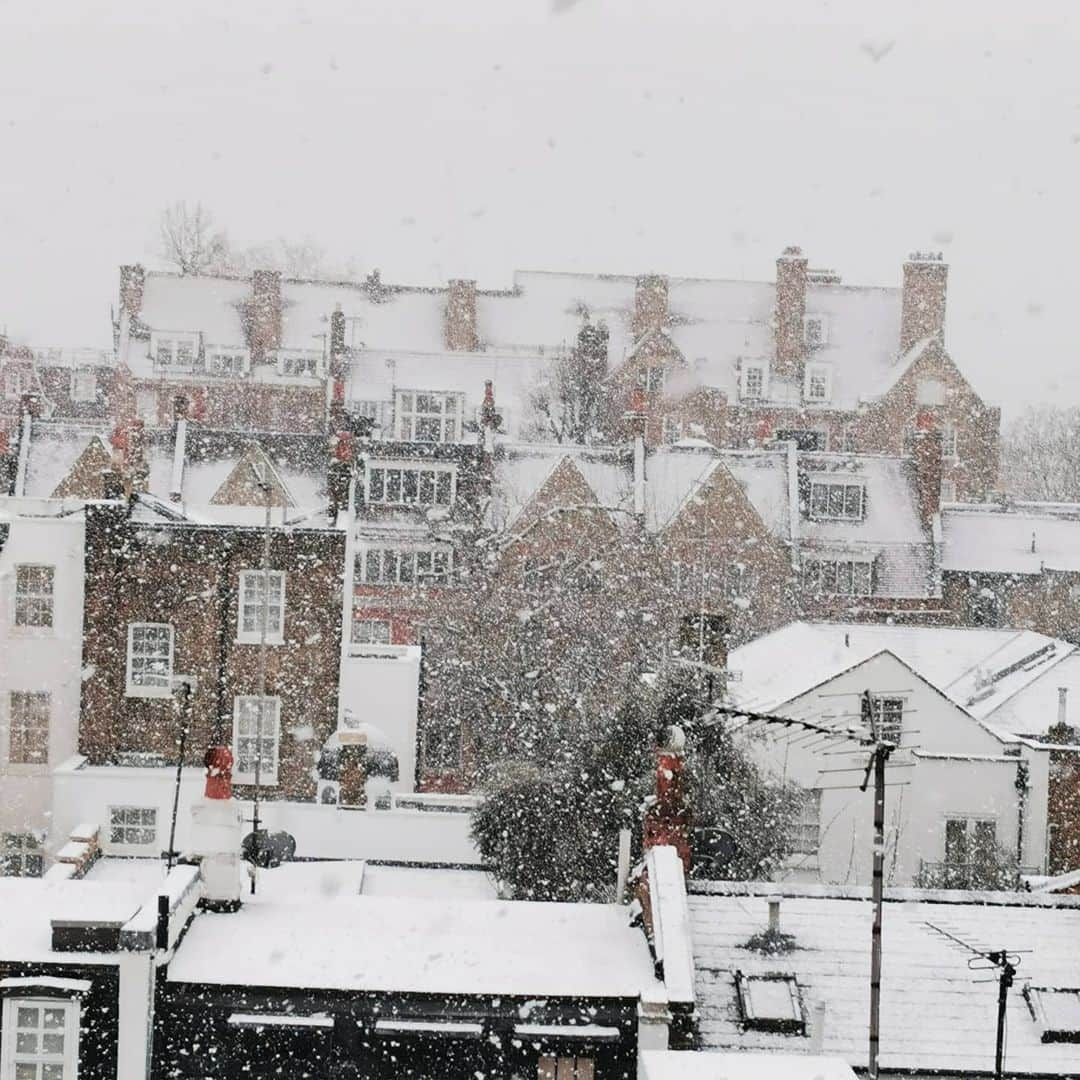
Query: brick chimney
x,y
667,821
264,313
460,317
489,417
922,315
791,277
132,282
926,459
650,304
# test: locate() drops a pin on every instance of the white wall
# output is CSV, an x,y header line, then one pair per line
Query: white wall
x,y
947,764
36,658
86,793
382,689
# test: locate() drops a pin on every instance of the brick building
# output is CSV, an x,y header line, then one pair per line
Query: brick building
x,y
742,364
175,585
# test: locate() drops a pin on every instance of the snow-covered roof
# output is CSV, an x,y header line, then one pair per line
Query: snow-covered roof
x,y
937,1013
521,471
975,668
437,946
714,323
766,1065
28,907
1033,709
1021,540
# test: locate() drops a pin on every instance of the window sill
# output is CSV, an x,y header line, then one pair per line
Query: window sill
x,y
271,639
147,691
248,780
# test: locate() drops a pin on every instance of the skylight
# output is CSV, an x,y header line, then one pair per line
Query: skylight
x,y
771,1003
1057,1011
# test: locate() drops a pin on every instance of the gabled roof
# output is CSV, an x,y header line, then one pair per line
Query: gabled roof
x,y
976,668
84,478
938,1015
244,484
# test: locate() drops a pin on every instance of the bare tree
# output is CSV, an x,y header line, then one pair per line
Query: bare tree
x,y
190,242
568,399
1040,454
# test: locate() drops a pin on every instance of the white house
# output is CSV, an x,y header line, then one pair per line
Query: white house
x,y
41,624
959,793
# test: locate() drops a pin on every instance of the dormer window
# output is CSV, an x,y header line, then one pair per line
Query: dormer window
x,y
815,331
227,362
429,417
174,352
818,384
654,378
299,363
837,500
755,380
1056,1011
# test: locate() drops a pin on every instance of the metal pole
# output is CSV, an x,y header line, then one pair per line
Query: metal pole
x,y
185,722
1005,980
265,609
880,754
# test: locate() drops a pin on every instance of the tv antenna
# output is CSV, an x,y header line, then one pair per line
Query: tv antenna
x,y
1005,963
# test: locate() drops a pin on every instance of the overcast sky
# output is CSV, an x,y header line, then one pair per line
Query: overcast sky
x,y
439,139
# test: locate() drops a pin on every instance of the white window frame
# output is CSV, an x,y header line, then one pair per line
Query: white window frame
x,y
449,416
673,430
9,1055
814,574
817,515
377,412
403,557
824,373
152,689
402,467
172,342
268,731
655,378
21,847
251,582
79,392
762,368
822,338
40,600
133,820
224,362
309,359
363,632
15,720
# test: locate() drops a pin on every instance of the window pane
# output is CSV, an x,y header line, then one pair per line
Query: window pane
x,y
852,501
836,500
376,485
442,489
393,485
427,487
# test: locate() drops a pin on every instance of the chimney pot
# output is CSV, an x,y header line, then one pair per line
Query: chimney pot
x,y
817,1028
1063,706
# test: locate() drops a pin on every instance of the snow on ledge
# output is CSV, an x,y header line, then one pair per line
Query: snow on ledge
x,y
45,982
427,1027
591,1032
319,1020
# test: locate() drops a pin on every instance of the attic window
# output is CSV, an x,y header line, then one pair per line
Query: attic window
x,y
1057,1011
174,352
836,501
299,364
83,385
770,1003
